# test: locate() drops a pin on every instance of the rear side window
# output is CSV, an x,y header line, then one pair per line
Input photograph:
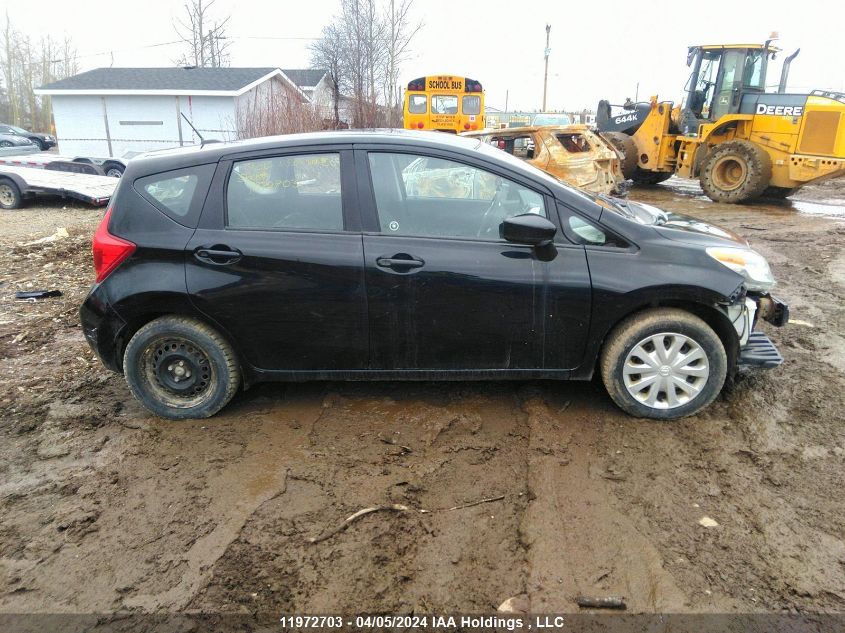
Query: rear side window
x,y
574,143
179,194
299,192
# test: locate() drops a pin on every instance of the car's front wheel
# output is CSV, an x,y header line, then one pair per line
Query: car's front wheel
x,y
663,364
180,368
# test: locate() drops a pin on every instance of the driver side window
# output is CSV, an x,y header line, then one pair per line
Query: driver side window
x,y
286,192
433,197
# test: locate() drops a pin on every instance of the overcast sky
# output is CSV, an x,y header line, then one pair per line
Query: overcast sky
x,y
598,49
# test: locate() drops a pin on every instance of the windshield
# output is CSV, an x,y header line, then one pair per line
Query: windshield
x,y
552,119
18,130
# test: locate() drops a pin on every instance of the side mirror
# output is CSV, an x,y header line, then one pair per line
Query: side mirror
x,y
528,228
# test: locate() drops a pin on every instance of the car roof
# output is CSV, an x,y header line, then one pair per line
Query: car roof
x,y
166,160
507,131
214,151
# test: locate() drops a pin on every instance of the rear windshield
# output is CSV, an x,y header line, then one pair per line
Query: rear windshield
x,y
178,194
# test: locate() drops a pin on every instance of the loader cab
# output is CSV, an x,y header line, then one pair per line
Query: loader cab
x,y
720,76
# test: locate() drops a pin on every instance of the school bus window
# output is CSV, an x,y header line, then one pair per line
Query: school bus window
x,y
444,104
471,105
418,104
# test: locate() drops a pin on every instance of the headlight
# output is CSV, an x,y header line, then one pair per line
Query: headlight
x,y
750,264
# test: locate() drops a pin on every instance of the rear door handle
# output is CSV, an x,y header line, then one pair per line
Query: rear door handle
x,y
399,262
217,255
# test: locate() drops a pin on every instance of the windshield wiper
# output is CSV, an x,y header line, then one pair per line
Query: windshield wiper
x,y
619,205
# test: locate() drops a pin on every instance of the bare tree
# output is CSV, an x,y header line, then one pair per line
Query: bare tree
x,y
204,36
27,64
327,54
367,44
276,109
399,31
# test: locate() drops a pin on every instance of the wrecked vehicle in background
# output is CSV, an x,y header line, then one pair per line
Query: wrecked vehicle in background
x,y
571,153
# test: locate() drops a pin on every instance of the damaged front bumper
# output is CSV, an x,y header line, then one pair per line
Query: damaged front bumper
x,y
755,348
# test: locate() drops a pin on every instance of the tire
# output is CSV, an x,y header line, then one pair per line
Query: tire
x,y
650,178
778,193
42,145
10,194
113,170
704,376
6,144
209,372
627,150
735,172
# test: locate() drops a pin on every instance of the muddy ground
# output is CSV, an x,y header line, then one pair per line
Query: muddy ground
x,y
104,508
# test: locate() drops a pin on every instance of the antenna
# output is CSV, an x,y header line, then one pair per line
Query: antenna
x,y
196,131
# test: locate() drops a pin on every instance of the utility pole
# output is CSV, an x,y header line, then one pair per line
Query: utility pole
x,y
546,73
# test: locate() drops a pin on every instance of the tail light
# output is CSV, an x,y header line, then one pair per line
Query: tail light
x,y
109,250
474,126
466,126
420,125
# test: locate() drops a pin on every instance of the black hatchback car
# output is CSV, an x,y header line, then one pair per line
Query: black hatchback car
x,y
410,255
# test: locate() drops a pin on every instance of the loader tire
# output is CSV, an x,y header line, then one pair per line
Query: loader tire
x,y
735,172
646,177
627,150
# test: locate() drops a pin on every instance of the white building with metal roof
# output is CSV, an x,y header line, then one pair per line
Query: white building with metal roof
x,y
120,112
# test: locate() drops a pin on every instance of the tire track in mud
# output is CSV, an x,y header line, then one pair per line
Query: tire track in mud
x,y
466,443
579,543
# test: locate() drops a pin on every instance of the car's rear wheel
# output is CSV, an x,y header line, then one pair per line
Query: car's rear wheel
x,y
181,368
663,364
113,169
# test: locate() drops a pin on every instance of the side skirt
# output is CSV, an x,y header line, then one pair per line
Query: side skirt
x,y
262,375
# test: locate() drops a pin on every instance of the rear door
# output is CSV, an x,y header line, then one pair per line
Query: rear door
x,y
277,260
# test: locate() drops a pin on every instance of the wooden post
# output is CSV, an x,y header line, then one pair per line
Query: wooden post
x,y
546,73
179,120
106,121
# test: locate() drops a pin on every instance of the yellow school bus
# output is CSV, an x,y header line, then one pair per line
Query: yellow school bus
x,y
445,103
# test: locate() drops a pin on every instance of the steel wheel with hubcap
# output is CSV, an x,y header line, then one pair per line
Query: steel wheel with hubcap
x,y
663,363
666,370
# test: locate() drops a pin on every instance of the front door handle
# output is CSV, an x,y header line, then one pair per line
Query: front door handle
x,y
217,255
400,261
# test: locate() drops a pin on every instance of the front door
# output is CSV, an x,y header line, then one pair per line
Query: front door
x,y
728,85
277,261
444,291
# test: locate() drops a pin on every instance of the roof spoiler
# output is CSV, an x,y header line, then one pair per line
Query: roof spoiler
x,y
784,74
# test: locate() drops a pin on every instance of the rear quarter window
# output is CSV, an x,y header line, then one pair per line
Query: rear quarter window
x,y
179,193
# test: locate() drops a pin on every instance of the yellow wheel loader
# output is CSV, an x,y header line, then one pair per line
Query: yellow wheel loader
x,y
738,140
